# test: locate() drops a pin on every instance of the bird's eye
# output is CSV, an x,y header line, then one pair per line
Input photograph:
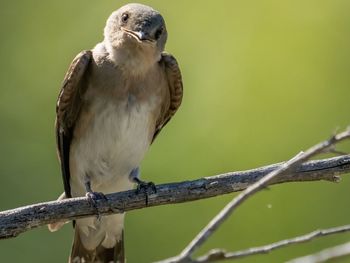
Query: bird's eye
x,y
158,33
125,17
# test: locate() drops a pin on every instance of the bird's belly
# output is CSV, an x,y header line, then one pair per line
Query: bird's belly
x,y
112,144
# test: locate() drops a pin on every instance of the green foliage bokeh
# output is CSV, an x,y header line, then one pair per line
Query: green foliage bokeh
x,y
263,80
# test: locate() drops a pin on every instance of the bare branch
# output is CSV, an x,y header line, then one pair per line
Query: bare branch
x,y
16,221
218,254
213,225
325,255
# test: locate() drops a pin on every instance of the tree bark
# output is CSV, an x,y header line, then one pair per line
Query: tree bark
x,y
16,221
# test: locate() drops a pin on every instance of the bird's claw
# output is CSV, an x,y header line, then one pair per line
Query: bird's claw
x,y
146,188
93,198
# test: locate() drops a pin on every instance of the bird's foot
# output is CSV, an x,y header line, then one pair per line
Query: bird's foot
x,y
93,198
145,187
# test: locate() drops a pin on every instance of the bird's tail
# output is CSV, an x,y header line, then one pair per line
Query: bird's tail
x,y
80,254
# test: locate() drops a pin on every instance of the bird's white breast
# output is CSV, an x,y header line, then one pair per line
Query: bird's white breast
x,y
114,142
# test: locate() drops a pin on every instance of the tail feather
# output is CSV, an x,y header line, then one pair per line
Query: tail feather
x,y
80,254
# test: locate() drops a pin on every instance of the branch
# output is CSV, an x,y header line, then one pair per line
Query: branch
x,y
16,221
218,254
325,255
216,222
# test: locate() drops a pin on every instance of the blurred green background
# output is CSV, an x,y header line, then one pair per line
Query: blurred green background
x,y
263,80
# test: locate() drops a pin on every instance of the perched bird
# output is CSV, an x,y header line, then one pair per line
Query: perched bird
x,y
114,101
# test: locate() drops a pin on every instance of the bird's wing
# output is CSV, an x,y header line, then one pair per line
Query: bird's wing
x,y
67,110
174,78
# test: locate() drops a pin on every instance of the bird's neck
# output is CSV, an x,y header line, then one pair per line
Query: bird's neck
x,y
133,60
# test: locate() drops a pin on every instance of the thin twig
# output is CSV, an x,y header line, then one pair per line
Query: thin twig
x,y
207,231
218,254
339,251
16,221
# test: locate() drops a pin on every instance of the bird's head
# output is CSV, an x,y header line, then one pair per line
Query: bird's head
x,y
137,30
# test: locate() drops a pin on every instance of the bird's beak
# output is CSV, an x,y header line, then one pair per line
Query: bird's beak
x,y
140,36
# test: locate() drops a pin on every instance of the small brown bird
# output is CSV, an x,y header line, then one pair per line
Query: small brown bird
x,y
114,101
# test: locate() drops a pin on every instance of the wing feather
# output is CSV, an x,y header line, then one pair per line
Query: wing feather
x,y
67,110
174,78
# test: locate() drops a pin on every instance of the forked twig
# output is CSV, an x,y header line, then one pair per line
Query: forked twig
x,y
207,231
218,254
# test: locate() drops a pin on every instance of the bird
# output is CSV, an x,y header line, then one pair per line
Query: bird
x,y
114,101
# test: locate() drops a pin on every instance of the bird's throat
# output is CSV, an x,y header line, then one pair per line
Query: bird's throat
x,y
136,60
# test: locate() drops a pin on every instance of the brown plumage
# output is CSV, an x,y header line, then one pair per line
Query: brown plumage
x,y
114,101
175,87
67,110
100,254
